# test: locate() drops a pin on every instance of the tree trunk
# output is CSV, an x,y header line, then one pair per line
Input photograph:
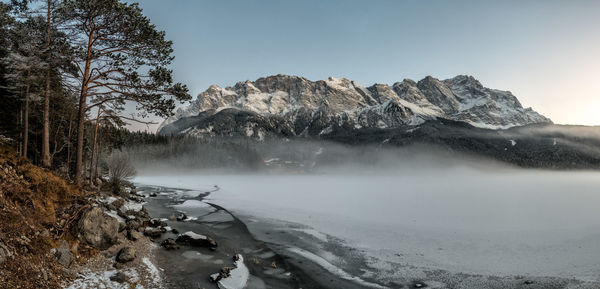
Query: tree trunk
x,y
82,105
26,117
98,153
20,123
46,162
80,127
69,142
94,144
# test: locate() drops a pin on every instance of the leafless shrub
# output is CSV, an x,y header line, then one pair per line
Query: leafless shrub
x,y
120,169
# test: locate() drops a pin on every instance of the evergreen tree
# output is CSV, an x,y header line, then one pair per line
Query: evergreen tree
x,y
8,104
24,63
121,58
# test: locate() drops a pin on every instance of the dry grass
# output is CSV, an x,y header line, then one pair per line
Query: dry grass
x,y
35,209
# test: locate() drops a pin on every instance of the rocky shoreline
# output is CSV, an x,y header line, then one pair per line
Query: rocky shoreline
x,y
191,260
172,250
191,243
265,241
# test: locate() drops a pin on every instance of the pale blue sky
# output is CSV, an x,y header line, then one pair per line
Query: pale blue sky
x,y
546,52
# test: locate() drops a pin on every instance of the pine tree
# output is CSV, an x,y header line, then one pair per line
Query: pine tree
x,y
24,63
8,104
121,58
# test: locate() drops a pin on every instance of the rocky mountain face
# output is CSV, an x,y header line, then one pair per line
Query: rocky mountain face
x,y
288,106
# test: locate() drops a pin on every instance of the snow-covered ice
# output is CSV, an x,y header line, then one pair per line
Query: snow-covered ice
x,y
152,270
132,206
500,222
194,208
194,235
239,276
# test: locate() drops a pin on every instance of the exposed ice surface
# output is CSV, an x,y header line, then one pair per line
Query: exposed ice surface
x,y
192,204
333,269
313,233
194,208
498,222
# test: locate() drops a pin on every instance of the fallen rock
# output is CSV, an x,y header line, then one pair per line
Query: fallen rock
x,y
133,224
126,254
182,217
154,232
98,229
156,223
122,227
193,239
63,254
169,244
70,273
119,277
133,235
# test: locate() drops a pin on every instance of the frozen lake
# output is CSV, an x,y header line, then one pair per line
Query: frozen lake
x,y
492,222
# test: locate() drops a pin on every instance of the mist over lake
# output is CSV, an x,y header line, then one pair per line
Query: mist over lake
x,y
412,217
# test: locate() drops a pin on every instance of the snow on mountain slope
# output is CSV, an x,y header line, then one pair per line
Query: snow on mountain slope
x,y
315,107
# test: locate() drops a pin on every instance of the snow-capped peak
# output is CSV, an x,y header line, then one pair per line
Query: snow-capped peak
x,y
313,106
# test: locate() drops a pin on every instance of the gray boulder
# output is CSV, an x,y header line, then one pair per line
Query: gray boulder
x,y
98,229
63,254
133,235
127,254
197,240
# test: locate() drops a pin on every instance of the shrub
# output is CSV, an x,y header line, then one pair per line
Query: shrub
x,y
120,169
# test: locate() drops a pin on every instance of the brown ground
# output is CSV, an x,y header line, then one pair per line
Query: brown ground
x,y
37,207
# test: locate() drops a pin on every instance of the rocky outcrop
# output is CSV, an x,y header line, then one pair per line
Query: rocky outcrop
x,y
98,229
287,106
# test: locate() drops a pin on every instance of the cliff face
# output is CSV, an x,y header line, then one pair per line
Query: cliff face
x,y
284,105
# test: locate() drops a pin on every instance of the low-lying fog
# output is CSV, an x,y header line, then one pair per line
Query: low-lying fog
x,y
420,208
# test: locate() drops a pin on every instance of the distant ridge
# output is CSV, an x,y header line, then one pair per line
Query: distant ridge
x,y
283,105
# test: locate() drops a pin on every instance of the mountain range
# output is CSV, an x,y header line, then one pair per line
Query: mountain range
x,y
283,105
457,114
